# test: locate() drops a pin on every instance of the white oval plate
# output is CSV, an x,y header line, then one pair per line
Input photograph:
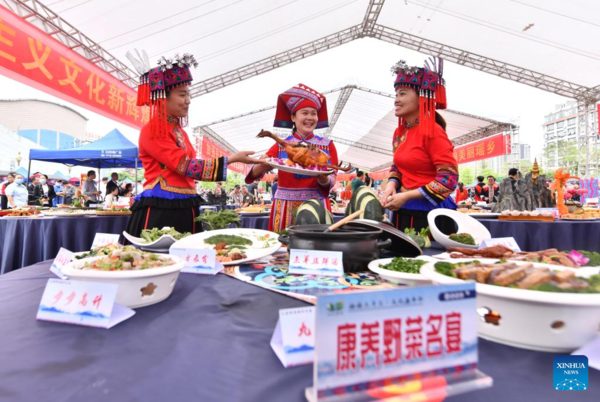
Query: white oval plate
x,y
400,277
570,299
253,252
466,224
295,170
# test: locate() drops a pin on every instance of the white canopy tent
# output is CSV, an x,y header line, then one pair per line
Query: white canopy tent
x,y
547,44
362,123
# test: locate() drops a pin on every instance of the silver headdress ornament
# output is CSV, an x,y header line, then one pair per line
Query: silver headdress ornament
x,y
141,63
185,60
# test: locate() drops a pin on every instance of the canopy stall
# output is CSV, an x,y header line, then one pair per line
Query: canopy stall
x,y
111,151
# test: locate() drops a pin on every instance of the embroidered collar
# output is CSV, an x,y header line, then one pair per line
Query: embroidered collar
x,y
298,136
413,124
172,120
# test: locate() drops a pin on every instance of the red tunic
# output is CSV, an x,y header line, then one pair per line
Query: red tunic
x,y
170,161
294,189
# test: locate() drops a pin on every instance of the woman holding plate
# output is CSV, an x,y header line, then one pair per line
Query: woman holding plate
x,y
303,110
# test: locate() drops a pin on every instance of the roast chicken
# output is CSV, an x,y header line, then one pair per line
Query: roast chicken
x,y
305,155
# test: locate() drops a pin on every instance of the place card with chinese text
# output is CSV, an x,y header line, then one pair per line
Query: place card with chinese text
x,y
89,304
198,260
316,262
104,239
63,257
294,338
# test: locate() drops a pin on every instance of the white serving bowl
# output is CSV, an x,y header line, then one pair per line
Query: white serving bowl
x,y
132,282
530,319
466,224
160,245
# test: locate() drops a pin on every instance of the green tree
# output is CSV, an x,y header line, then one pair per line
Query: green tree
x,y
466,175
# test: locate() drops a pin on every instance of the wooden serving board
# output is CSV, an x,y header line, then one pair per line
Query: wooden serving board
x,y
526,218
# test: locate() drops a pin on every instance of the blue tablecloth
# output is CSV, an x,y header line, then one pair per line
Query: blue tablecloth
x,y
28,241
208,342
534,236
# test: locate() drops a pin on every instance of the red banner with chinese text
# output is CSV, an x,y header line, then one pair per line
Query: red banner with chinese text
x,y
210,150
34,58
491,147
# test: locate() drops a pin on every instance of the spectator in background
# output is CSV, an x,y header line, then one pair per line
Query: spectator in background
x,y
89,189
461,193
358,181
67,193
35,190
490,192
248,198
236,196
10,179
111,197
368,181
274,186
113,183
102,186
48,193
253,189
479,188
58,187
16,193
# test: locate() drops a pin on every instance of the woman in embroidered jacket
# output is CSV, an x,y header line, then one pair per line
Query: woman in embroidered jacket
x,y
303,110
424,172
168,157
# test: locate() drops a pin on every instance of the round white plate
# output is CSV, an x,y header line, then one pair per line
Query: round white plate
x,y
254,213
295,170
253,252
400,277
466,224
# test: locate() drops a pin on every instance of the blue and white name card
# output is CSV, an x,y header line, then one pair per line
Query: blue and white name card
x,y
316,262
90,304
104,239
198,260
63,257
508,242
365,340
294,338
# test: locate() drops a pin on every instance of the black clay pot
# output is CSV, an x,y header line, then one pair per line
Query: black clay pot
x,y
359,244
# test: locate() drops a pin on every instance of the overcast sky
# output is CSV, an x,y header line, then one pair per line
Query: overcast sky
x,y
364,62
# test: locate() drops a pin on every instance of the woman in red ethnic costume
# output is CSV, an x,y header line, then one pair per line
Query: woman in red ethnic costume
x,y
302,110
168,157
424,172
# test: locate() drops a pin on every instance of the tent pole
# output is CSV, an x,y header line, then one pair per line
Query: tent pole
x,y
29,171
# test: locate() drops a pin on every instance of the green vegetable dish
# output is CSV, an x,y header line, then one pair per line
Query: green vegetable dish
x,y
150,235
463,238
219,220
229,240
520,276
407,265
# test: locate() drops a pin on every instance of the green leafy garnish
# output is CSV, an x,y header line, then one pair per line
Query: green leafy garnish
x,y
154,234
408,265
219,220
463,238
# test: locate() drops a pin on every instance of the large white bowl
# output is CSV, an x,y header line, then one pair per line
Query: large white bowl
x,y
530,319
465,223
131,283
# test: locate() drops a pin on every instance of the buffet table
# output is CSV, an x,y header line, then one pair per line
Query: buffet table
x,y
533,236
259,221
27,241
208,342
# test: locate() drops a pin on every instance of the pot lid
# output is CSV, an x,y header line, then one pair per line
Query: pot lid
x,y
402,244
